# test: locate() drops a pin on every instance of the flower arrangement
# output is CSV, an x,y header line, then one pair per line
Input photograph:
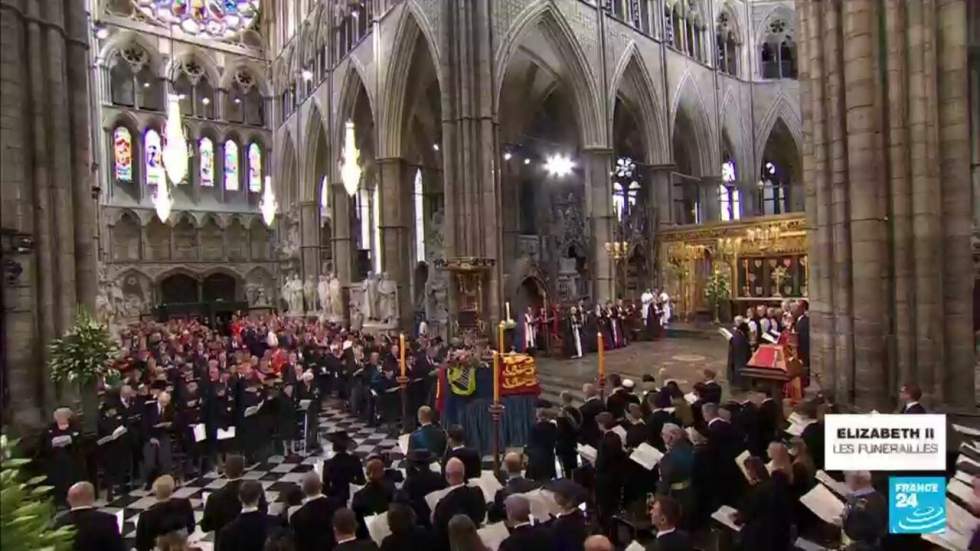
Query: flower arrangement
x,y
716,291
84,354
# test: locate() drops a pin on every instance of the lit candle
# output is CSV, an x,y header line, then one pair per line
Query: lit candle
x,y
401,352
496,378
602,357
500,337
508,311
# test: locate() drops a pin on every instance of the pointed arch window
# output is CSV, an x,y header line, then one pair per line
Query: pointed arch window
x,y
324,198
206,155
778,51
254,168
132,82
729,198
774,188
727,42
231,165
153,151
122,154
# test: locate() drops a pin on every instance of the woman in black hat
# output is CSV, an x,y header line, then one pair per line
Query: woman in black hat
x,y
342,470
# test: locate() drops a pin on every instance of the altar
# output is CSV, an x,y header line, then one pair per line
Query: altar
x,y
464,399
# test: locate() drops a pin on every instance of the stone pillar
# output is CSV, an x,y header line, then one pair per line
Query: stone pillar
x,y
343,249
598,202
711,206
469,145
309,238
660,193
47,195
886,167
396,235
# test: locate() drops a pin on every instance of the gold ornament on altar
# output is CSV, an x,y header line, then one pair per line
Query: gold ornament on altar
x,y
779,275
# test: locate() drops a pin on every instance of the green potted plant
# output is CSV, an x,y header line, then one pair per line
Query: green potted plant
x,y
26,511
716,292
81,357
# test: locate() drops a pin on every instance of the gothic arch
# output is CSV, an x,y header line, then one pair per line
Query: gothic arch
x,y
314,164
632,73
354,80
783,110
411,25
688,103
199,55
254,70
777,12
545,18
286,173
119,41
733,126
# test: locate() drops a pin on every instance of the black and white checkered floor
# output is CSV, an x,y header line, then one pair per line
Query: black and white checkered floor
x,y
275,475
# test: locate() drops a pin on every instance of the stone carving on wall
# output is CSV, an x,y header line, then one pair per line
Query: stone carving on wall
x,y
323,293
122,298
435,244
356,305
185,240
374,302
336,312
437,297
290,245
387,300
212,244
258,287
292,294
309,293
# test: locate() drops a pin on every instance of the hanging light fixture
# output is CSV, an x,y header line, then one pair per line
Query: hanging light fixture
x,y
559,165
175,150
268,204
163,202
350,170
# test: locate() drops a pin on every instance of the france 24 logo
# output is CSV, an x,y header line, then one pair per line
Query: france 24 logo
x,y
916,505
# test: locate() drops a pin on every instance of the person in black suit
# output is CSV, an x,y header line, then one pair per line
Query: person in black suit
x,y
342,469
765,513
589,432
249,529
515,484
659,416
405,535
114,453
803,332
712,390
428,436
94,530
159,420
457,448
665,515
616,402
739,353
62,454
813,434
569,529
541,442
462,499
224,505
610,468
420,481
724,445
374,497
523,536
768,418
345,533
569,423
910,395
166,515
309,520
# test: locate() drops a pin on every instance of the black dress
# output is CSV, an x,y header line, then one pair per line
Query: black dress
x,y
541,451
61,453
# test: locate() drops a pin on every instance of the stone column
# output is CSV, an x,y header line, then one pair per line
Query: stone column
x,y
47,195
598,207
309,238
396,236
469,145
886,167
660,193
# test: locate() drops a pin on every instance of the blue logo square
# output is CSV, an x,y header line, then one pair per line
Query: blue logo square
x,y
916,504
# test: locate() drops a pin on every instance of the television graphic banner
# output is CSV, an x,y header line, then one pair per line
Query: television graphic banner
x,y
883,442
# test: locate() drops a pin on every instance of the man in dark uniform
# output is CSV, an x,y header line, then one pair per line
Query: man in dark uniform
x,y
223,505
569,529
428,436
458,449
341,470
309,522
189,417
461,500
131,407
420,481
374,497
94,530
159,419
113,444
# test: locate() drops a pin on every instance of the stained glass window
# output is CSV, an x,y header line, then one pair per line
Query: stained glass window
x,y
254,168
729,198
419,217
220,19
154,158
123,154
206,152
231,165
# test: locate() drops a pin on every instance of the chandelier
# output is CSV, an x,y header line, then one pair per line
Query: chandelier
x,y
163,202
350,170
559,165
175,150
268,204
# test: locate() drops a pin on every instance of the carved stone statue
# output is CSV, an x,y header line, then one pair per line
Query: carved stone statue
x,y
323,292
356,303
285,291
371,302
336,299
437,297
387,299
309,293
294,294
